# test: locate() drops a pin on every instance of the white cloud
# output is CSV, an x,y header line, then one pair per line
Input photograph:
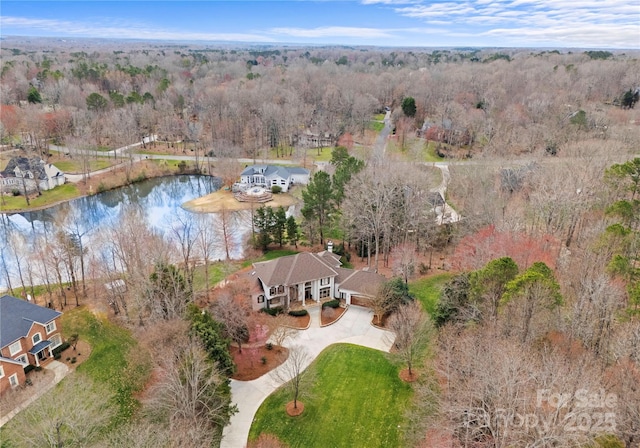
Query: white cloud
x,y
124,31
583,23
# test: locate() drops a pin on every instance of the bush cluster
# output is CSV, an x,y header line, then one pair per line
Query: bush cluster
x,y
331,304
62,347
273,311
298,313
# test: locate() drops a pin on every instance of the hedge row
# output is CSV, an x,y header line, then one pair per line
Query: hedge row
x,y
273,311
331,304
62,347
298,313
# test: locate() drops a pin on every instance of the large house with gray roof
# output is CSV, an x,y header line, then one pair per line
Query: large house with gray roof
x,y
308,278
28,335
271,175
33,174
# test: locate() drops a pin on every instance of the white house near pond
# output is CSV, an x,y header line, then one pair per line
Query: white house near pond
x,y
271,175
309,278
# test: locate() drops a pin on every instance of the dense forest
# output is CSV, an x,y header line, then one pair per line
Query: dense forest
x,y
542,155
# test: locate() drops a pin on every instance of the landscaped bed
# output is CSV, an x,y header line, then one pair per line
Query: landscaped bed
x,y
254,362
357,399
330,315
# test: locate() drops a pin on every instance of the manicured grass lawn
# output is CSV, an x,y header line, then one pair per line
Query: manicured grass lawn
x,y
427,290
217,272
357,400
61,193
115,359
379,117
429,153
75,166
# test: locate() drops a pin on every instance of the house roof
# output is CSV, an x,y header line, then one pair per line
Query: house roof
x,y
361,282
273,170
10,361
39,347
35,165
294,269
17,316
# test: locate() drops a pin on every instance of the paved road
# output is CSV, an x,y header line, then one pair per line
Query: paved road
x,y
354,327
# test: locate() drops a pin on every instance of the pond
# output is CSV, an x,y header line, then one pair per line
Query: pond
x,y
160,199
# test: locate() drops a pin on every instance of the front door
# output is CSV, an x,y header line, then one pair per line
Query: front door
x,y
307,291
42,355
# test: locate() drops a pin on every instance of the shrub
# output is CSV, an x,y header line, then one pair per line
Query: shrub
x,y
68,358
263,360
101,187
276,189
331,304
28,382
273,311
269,346
38,368
62,347
140,177
73,360
298,313
29,368
15,192
57,356
182,166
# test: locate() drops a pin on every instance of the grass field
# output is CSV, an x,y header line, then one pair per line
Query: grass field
x,y
75,166
427,291
110,361
61,193
357,400
270,255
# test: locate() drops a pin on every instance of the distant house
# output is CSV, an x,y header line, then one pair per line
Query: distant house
x,y
308,278
34,174
314,139
28,335
271,175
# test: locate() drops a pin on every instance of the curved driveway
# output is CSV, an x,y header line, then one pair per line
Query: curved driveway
x,y
354,327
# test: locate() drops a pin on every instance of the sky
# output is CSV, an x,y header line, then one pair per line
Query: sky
x,y
612,24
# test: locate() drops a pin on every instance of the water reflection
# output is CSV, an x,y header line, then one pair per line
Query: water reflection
x,y
159,198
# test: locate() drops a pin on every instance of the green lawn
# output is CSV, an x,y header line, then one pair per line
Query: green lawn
x,y
357,401
75,166
61,193
217,272
110,361
376,126
427,290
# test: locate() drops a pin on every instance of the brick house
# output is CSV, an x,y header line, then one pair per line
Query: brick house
x,y
28,335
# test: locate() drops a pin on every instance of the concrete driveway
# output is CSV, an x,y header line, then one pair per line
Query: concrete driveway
x,y
354,327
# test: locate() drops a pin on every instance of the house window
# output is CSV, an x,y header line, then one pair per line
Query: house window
x,y
325,292
324,281
1,372
272,290
51,326
14,348
261,298
22,359
36,338
283,182
56,340
13,380
280,289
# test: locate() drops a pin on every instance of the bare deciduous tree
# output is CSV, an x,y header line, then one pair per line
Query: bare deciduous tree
x,y
294,373
412,328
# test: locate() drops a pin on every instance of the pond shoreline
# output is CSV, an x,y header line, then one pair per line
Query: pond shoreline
x,y
136,180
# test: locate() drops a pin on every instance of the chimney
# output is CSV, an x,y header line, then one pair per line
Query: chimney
x,y
330,246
